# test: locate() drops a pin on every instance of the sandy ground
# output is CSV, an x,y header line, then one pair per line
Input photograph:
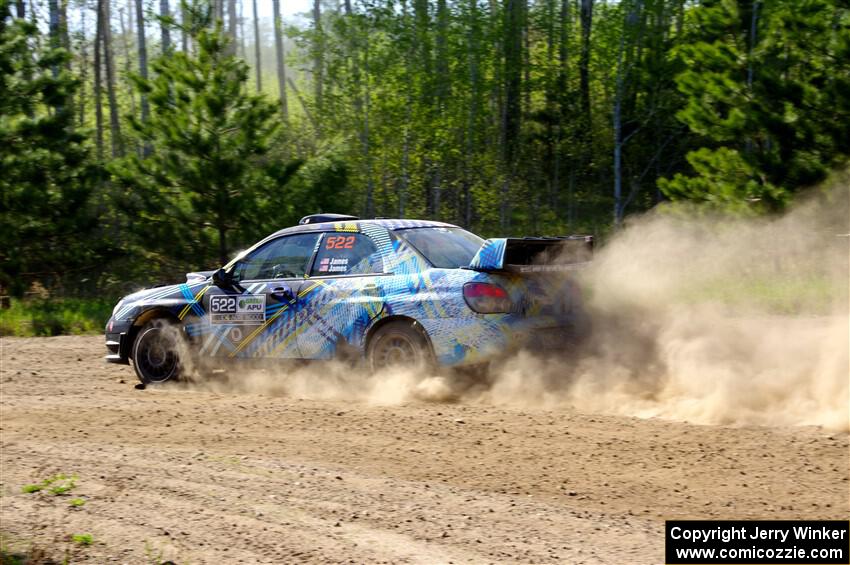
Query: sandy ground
x,y
203,477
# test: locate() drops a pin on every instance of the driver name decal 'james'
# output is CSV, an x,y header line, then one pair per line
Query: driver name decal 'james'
x,y
244,309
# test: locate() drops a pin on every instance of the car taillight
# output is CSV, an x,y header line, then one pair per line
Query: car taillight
x,y
486,298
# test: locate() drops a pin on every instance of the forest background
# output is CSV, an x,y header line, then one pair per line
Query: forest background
x,y
140,139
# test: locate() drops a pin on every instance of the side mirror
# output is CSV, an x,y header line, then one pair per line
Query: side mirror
x,y
222,278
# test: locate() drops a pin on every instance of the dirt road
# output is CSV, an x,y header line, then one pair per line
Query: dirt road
x,y
202,477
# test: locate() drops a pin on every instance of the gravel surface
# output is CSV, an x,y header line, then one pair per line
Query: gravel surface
x,y
195,476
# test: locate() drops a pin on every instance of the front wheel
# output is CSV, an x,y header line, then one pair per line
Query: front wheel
x,y
156,356
398,345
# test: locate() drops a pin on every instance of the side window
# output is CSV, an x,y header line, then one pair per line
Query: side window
x,y
347,254
283,258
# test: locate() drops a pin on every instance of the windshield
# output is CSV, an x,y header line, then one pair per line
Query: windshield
x,y
445,248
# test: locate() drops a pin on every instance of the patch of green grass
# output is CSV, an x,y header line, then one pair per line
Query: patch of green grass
x,y
56,485
82,539
48,317
77,502
805,295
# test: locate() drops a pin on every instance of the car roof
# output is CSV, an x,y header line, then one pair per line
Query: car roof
x,y
390,224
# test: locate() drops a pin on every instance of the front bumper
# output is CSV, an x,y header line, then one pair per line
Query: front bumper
x,y
118,342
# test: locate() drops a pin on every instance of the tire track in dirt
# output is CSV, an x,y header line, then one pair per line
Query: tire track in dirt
x,y
261,479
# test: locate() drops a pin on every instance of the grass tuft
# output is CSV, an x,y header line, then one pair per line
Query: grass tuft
x,y
82,539
58,484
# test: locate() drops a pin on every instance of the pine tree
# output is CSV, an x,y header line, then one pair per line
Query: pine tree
x,y
47,177
209,172
768,91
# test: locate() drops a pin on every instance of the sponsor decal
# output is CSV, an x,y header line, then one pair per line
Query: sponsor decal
x,y
245,309
333,265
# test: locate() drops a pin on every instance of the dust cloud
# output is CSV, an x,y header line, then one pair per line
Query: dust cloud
x,y
696,317
712,320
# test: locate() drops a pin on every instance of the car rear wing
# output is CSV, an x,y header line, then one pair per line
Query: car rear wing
x,y
533,254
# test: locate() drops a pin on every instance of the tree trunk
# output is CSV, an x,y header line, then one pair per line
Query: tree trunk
x,y
98,85
318,56
475,103
243,52
281,64
551,96
586,17
143,67
367,148
84,62
443,92
512,76
143,56
55,42
404,180
426,92
257,59
114,122
623,69
21,8
442,53
64,36
164,30
754,18
231,25
511,117
127,61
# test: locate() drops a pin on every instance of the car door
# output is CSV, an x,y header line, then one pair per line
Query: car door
x,y
342,296
257,316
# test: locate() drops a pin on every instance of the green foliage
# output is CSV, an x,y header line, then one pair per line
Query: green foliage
x,y
208,172
321,185
82,539
724,179
56,485
48,317
77,502
497,116
771,107
47,177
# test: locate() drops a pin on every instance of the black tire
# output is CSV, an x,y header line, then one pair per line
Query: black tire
x,y
399,344
156,356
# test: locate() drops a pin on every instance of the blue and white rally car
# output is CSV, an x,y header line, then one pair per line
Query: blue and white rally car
x,y
389,292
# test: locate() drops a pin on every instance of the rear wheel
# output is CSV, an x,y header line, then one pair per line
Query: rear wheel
x,y
398,345
156,357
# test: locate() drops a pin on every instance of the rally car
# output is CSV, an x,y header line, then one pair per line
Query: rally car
x,y
387,292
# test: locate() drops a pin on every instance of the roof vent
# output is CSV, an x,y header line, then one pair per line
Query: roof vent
x,y
320,218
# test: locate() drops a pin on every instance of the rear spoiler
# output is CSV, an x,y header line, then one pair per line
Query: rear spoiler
x,y
533,254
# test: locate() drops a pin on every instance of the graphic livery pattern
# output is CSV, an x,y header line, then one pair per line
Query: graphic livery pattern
x,y
491,256
328,314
